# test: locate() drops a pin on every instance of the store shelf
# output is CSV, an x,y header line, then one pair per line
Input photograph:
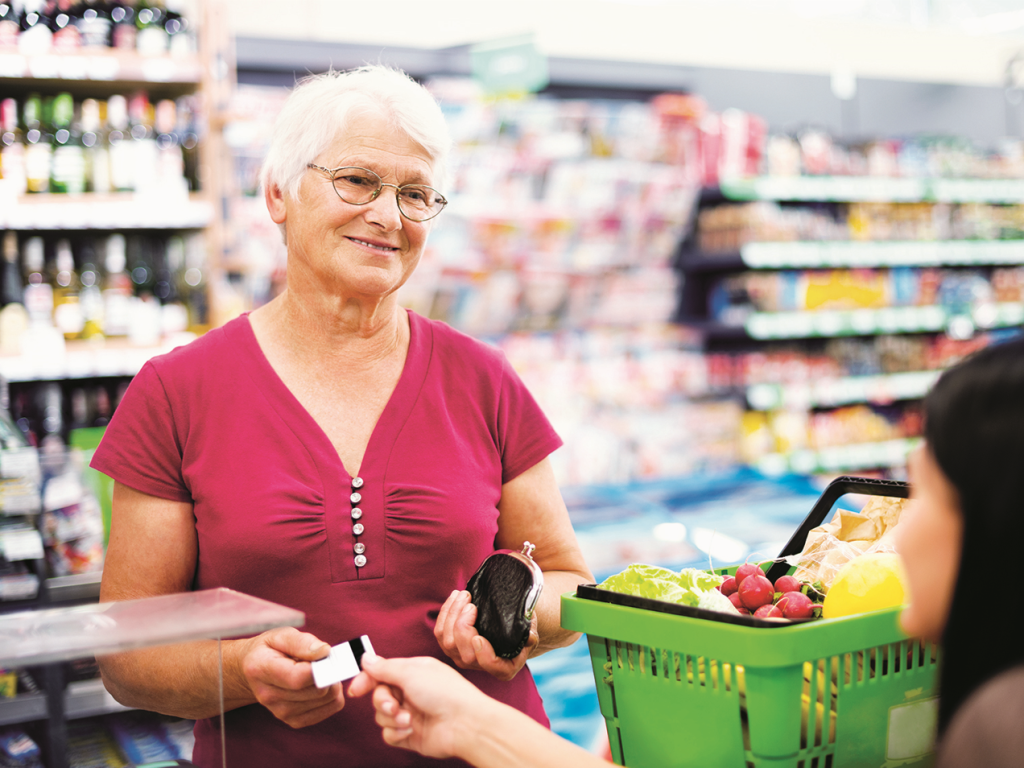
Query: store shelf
x,y
85,698
812,255
842,458
83,360
114,211
69,589
863,322
829,393
98,67
874,189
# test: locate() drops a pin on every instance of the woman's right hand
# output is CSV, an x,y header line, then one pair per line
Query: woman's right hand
x,y
276,666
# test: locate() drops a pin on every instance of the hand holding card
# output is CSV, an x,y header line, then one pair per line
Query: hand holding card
x,y
343,662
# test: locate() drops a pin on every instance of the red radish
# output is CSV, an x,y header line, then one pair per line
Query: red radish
x,y
743,611
728,587
734,598
755,591
787,584
768,611
747,569
796,605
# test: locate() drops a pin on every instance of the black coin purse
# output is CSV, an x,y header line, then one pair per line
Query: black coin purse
x,y
505,590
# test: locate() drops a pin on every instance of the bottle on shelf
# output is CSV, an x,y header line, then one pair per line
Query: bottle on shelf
x,y
180,38
67,310
12,149
116,288
193,285
90,297
174,314
67,173
144,146
36,32
13,315
152,38
188,138
120,146
63,17
94,24
96,151
9,27
123,34
170,161
38,293
38,145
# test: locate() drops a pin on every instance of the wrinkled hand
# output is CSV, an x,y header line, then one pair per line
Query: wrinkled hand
x,y
277,669
421,704
465,646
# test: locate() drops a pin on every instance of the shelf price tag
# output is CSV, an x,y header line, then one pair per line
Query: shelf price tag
x,y
44,67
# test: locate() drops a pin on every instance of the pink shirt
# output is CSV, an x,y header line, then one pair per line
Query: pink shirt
x,y
211,423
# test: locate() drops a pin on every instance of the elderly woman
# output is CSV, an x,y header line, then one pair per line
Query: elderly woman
x,y
332,452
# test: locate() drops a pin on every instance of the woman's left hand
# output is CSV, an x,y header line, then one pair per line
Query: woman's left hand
x,y
458,638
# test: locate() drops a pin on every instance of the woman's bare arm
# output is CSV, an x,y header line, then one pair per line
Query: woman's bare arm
x,y
153,551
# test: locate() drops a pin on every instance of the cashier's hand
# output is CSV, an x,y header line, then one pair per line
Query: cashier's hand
x,y
277,669
461,642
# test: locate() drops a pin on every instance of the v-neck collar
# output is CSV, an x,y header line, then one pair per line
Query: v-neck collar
x,y
389,425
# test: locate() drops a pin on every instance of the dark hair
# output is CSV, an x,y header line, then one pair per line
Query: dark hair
x,y
974,426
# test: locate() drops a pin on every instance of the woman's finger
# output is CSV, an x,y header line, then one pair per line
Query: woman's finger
x,y
465,632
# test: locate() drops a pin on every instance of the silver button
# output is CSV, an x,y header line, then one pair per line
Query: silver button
x,y
359,548
360,560
357,482
355,498
356,513
357,529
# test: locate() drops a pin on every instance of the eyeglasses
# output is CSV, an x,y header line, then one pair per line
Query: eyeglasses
x,y
359,186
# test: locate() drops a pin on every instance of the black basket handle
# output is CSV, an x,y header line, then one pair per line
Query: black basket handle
x,y
835,490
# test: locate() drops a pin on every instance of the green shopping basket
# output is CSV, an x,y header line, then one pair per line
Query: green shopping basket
x,y
680,686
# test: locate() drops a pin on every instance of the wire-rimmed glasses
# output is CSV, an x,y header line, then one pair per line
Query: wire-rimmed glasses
x,y
359,186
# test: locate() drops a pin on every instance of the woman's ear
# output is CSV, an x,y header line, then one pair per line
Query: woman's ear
x,y
274,196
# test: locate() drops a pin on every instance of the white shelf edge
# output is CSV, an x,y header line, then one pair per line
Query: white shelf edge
x,y
826,393
855,254
84,363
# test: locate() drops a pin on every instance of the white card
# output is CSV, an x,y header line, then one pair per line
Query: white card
x,y
342,663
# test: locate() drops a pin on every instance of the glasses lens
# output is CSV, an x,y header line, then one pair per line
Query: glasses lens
x,y
356,185
420,203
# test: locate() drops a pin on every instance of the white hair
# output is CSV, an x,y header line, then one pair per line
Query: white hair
x,y
319,107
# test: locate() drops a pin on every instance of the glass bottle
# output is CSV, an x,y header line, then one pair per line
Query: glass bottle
x,y
13,315
36,36
144,146
94,24
66,36
90,297
38,293
151,39
188,138
67,172
95,148
123,33
116,288
67,309
170,162
12,148
174,313
38,145
180,34
120,145
9,26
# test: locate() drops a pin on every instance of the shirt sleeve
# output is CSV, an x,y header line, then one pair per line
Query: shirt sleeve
x,y
141,447
985,730
526,436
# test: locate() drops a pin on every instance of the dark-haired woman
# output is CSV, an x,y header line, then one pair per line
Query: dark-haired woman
x,y
960,545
